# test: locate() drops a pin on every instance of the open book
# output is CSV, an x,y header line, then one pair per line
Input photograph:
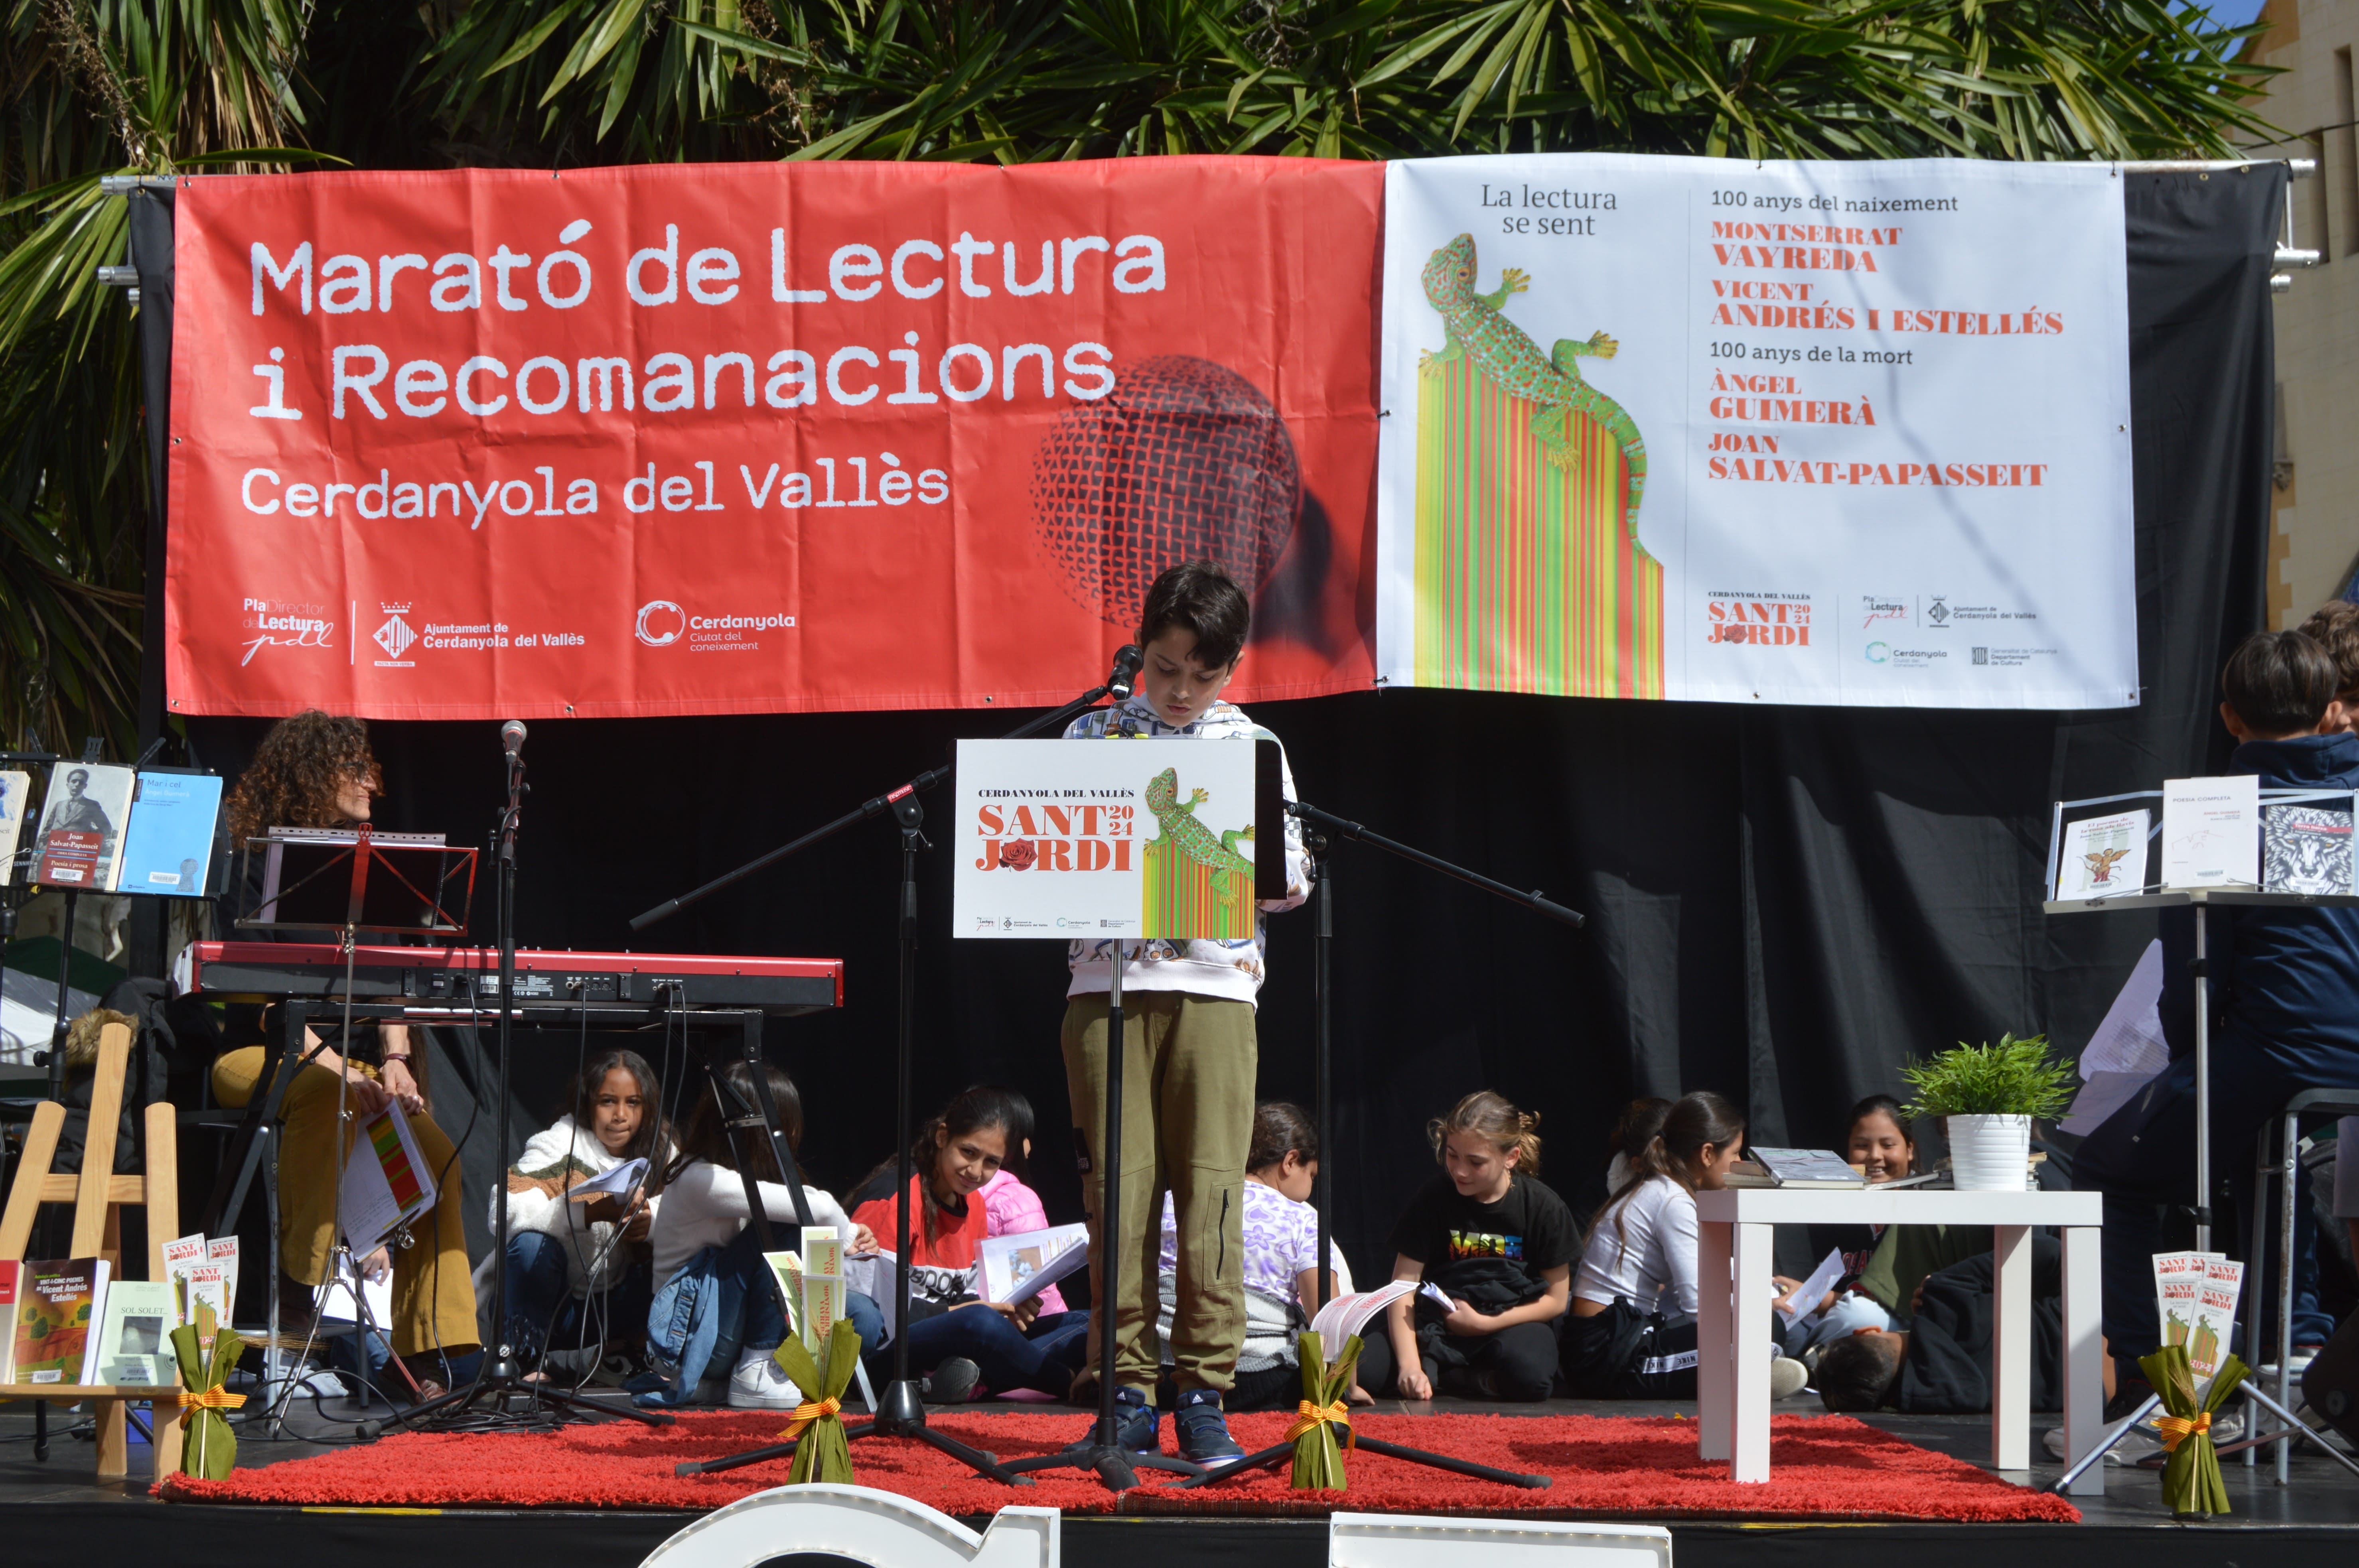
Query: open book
x,y
1015,1269
1344,1316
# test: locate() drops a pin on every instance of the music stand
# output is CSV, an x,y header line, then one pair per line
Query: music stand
x,y
2201,900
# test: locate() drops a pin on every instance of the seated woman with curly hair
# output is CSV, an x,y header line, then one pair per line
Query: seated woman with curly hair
x,y
315,770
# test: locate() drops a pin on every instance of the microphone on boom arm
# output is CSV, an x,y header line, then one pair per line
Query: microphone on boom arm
x,y
1125,671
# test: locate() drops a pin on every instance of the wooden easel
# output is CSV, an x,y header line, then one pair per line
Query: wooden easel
x,y
98,1196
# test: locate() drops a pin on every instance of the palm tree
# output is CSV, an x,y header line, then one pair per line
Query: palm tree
x,y
159,86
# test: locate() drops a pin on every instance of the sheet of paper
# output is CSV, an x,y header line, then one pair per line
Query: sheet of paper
x,y
386,1181
1804,1302
2102,1095
2211,832
873,1277
2215,1319
2129,1040
616,1182
2103,855
223,1250
336,1300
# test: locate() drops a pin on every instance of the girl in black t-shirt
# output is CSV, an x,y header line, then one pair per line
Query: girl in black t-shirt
x,y
1499,1244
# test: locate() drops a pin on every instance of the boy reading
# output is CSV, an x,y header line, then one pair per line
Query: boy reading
x,y
1189,1051
2284,993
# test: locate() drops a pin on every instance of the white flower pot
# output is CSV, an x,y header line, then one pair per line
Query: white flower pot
x,y
1990,1153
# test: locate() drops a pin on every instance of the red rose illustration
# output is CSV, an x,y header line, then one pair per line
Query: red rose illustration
x,y
1017,854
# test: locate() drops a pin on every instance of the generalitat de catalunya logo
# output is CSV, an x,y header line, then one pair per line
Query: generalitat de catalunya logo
x,y
660,623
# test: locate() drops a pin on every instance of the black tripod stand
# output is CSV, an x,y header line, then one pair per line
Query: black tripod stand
x,y
1323,1007
499,1382
1115,1464
900,1412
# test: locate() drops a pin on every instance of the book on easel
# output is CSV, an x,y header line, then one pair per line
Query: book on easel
x,y
15,789
133,1344
82,826
11,1271
58,1302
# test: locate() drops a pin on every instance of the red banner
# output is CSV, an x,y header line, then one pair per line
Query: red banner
x,y
760,437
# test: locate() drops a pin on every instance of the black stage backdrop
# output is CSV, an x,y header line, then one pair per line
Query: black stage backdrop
x,y
1785,903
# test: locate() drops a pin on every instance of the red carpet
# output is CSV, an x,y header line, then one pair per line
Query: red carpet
x,y
1824,1468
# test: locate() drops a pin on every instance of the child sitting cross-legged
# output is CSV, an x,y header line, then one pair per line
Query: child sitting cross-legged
x,y
716,1312
1499,1244
1632,1330
961,1340
577,1274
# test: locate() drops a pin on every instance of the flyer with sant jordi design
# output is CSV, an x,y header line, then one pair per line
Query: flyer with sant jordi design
x,y
1121,838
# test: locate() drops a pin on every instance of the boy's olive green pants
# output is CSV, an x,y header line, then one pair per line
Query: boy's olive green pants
x,y
1187,1126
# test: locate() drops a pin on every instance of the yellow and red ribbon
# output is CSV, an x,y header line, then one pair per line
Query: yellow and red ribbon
x,y
2177,1429
208,1398
807,1412
1309,1418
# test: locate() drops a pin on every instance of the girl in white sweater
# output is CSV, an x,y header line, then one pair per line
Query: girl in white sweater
x,y
576,1267
715,1305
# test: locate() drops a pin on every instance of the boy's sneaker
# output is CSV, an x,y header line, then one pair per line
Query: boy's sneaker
x,y
953,1382
759,1383
1788,1377
1135,1423
1203,1431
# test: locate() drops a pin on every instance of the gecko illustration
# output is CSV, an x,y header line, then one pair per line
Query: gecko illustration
x,y
1192,838
1474,328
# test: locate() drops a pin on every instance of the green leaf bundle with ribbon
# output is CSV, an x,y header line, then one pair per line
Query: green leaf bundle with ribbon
x,y
1317,1455
209,1448
2191,1486
821,1452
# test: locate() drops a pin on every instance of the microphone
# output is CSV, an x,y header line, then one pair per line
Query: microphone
x,y
512,736
1125,670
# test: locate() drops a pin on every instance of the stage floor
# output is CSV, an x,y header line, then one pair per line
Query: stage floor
x,y
55,1510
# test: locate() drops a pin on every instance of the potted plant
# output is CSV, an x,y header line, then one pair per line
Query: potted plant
x,y
1986,1095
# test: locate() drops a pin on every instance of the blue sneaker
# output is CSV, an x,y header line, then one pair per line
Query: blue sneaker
x,y
1136,1422
1203,1431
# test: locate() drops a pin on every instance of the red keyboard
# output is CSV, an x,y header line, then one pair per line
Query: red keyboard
x,y
469,978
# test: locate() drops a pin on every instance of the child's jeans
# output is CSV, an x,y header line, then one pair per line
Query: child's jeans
x,y
718,1306
1043,1357
544,1315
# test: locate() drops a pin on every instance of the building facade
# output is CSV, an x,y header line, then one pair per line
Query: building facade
x,y
2314,497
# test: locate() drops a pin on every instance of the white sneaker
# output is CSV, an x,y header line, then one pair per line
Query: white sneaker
x,y
759,1383
2139,1442
1788,1377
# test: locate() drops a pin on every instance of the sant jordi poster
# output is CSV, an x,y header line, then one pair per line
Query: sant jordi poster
x,y
1072,839
1698,428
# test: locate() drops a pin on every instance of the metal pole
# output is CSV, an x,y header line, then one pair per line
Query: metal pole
x,y
1323,1082
1110,1205
2202,1086
65,978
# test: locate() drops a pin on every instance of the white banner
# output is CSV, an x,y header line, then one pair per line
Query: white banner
x,y
1695,428
1072,839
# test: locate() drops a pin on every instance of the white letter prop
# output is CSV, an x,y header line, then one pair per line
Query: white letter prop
x,y
882,1528
1418,1540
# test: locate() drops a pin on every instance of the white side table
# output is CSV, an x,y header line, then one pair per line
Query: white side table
x,y
1733,1242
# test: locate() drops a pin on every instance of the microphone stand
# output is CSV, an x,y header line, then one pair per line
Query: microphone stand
x,y
900,1412
500,1379
1324,1006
